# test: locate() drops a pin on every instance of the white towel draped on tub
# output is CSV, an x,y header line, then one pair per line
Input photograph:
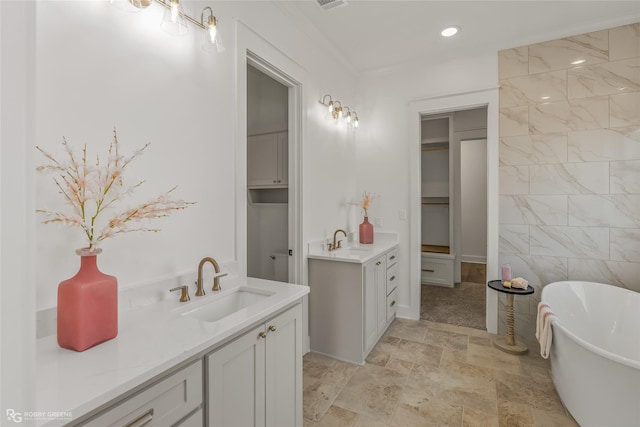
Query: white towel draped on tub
x,y
544,334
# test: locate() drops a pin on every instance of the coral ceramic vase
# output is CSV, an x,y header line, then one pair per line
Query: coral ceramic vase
x,y
87,305
366,231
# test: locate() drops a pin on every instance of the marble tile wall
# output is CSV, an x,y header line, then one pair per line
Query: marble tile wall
x,y
570,163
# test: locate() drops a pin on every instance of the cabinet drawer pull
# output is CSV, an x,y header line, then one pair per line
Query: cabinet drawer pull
x,y
428,271
392,303
262,335
392,257
379,262
272,328
392,278
142,420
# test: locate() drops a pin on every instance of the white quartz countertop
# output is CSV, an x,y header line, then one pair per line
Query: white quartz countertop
x,y
353,251
150,340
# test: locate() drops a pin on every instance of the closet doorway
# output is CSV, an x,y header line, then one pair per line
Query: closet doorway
x,y
454,217
271,181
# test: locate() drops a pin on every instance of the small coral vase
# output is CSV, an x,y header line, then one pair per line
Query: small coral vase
x,y
366,231
87,305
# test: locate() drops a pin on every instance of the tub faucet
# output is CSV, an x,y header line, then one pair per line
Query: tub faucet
x,y
216,278
333,246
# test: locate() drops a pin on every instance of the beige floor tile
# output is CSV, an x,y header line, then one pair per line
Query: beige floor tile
x,y
403,367
317,397
493,358
318,358
455,361
413,330
418,353
335,417
421,410
446,339
458,329
514,414
372,391
366,421
453,388
381,353
543,418
339,373
485,341
473,418
530,391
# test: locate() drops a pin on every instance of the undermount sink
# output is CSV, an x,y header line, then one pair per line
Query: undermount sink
x,y
225,305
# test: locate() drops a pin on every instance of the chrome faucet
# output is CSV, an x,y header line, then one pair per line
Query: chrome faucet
x,y
333,246
216,278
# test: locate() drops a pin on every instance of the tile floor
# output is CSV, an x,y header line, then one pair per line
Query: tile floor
x,y
423,373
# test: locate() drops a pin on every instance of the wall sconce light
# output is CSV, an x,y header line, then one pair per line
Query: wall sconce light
x,y
212,42
340,113
174,20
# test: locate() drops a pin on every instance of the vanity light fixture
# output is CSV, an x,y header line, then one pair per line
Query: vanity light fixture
x,y
174,20
450,31
212,42
340,113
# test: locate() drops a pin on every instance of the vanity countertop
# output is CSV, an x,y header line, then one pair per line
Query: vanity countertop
x,y
150,341
354,252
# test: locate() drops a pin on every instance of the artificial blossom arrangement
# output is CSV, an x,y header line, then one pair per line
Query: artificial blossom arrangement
x,y
91,189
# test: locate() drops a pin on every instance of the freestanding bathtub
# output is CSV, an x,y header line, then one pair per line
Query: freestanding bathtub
x,y
595,353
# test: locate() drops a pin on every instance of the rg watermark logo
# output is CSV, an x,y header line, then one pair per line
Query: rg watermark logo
x,y
14,416
18,416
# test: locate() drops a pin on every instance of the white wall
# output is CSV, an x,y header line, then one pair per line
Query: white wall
x,y
98,67
267,102
385,146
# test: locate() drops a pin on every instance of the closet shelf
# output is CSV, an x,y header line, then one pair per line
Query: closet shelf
x,y
431,200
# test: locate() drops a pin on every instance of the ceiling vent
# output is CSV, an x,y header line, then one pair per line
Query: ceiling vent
x,y
331,4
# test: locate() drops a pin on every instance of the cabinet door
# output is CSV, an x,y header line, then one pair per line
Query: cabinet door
x,y
236,382
283,158
284,369
262,160
381,294
370,305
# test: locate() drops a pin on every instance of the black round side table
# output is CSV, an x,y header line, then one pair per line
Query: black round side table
x,y
508,343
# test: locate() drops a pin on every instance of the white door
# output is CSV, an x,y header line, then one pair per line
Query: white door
x,y
262,159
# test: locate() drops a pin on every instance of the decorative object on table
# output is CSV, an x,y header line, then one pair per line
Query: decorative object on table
x,y
506,272
366,228
509,344
519,283
88,302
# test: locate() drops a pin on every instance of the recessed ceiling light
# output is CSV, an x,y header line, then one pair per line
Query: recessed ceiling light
x,y
450,31
544,98
579,61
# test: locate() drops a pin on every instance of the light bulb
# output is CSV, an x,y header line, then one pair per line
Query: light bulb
x,y
340,113
348,117
174,11
355,123
330,107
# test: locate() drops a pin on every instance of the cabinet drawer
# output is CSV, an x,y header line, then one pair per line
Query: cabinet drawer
x,y
392,305
437,271
162,404
392,257
392,278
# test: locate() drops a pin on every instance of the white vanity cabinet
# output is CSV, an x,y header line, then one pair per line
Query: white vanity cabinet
x,y
268,160
256,379
171,401
351,304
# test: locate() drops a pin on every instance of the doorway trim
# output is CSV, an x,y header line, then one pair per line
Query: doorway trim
x,y
257,52
445,104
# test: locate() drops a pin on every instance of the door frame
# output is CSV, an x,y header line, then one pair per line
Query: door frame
x,y
445,104
257,52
